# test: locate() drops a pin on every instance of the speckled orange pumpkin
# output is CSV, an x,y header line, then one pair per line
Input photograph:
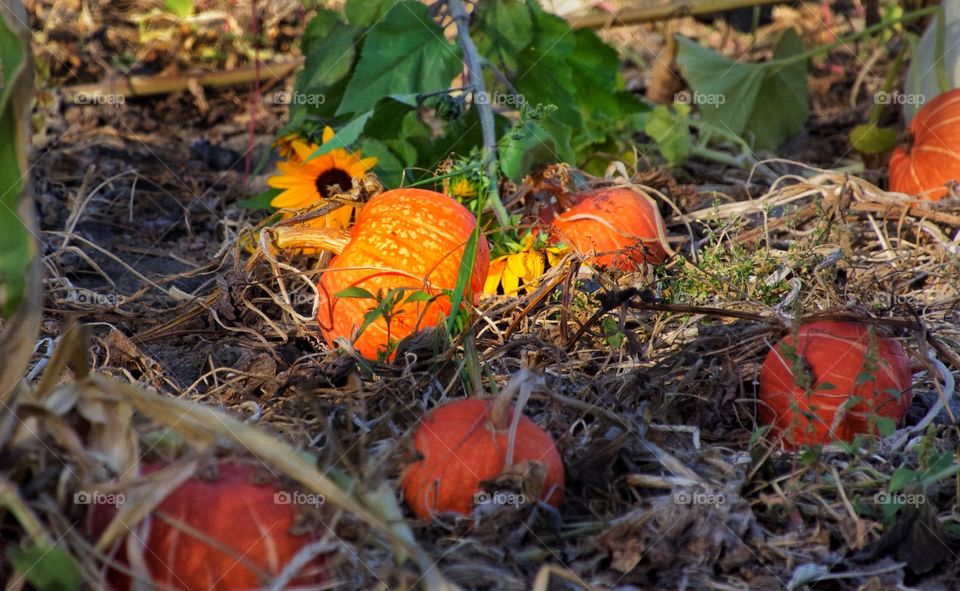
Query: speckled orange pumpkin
x,y
227,533
831,381
931,157
616,227
461,444
405,238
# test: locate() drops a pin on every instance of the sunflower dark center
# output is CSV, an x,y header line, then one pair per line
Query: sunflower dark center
x,y
332,177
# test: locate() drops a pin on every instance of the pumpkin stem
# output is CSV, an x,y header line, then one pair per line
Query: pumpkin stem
x,y
906,140
524,382
297,237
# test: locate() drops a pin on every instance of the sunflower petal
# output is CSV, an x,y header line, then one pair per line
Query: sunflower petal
x,y
295,198
510,281
328,134
494,275
303,149
516,264
535,266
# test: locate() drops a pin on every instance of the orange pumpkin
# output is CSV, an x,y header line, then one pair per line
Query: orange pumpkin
x,y
237,531
828,368
931,157
616,227
461,444
405,238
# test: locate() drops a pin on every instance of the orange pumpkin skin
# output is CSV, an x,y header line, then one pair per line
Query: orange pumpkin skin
x,y
402,238
459,448
616,227
834,353
231,510
932,158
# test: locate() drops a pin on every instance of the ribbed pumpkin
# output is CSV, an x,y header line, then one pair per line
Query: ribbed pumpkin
x,y
931,157
242,532
617,227
463,443
405,238
809,377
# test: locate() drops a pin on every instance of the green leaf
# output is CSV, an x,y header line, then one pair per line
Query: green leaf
x,y
826,386
607,110
867,138
405,52
900,478
181,8
326,72
320,26
671,132
261,201
45,569
389,166
501,28
16,247
886,426
767,101
365,13
418,296
464,277
389,117
536,139
543,74
355,292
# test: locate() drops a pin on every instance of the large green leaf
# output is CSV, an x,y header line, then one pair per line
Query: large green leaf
x,y
605,107
326,70
365,13
501,28
671,132
543,74
321,25
765,101
16,247
404,52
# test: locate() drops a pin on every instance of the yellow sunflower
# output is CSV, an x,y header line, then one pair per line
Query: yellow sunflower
x,y
307,183
460,188
527,264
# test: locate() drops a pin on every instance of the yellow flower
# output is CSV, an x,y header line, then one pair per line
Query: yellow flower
x,y
307,184
527,265
461,188
284,145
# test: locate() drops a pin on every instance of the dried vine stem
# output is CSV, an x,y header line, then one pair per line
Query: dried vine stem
x,y
471,59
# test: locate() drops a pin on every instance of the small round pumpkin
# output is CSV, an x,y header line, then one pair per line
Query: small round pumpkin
x,y
616,227
931,157
405,238
237,530
827,368
463,443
